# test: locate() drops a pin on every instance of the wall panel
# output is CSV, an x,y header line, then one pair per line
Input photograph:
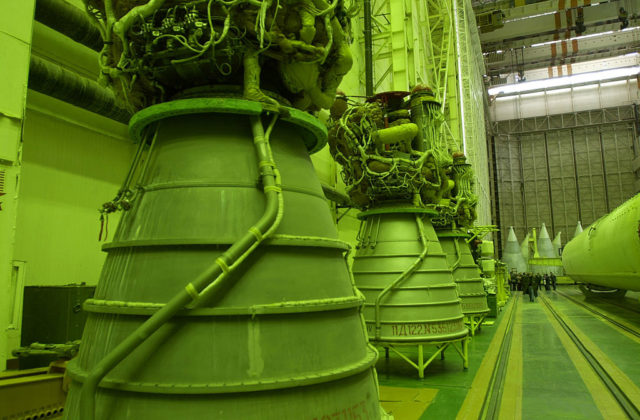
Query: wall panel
x,y
559,169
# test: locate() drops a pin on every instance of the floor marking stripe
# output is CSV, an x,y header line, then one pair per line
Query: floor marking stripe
x,y
472,405
607,405
619,377
511,403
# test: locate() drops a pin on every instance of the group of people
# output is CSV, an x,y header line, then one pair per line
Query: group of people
x,y
530,283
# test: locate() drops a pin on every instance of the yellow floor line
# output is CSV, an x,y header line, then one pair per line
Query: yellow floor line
x,y
620,378
607,405
472,405
511,403
612,316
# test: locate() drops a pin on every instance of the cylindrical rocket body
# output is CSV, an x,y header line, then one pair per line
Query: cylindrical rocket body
x,y
607,253
282,339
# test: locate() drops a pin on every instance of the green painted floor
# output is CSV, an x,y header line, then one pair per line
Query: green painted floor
x,y
447,376
552,387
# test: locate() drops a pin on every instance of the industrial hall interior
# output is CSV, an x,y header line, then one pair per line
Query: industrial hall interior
x,y
319,209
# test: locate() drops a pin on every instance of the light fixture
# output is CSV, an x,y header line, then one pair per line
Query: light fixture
x,y
556,82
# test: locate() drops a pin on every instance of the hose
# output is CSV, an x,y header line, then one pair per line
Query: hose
x,y
225,264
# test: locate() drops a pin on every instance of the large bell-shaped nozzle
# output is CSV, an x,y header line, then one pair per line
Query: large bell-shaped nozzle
x,y
466,272
278,335
403,273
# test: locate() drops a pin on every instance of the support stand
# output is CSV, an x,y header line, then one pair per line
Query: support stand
x,y
474,322
460,345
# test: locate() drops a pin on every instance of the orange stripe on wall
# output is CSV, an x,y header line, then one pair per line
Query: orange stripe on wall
x,y
561,5
569,24
550,71
569,70
554,49
587,2
559,71
564,48
574,46
574,3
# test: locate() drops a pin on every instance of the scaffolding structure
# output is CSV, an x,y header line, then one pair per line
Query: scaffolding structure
x,y
436,43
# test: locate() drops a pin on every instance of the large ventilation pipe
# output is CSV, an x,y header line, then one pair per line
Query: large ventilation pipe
x,y
69,20
57,82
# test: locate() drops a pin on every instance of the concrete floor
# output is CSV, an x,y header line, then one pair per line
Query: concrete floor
x,y
546,375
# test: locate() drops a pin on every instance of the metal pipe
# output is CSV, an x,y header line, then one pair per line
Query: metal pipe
x,y
636,128
604,172
461,74
575,171
368,49
496,195
69,21
209,281
546,152
562,176
57,82
594,215
522,188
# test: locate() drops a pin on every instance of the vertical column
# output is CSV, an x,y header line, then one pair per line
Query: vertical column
x,y
399,53
16,20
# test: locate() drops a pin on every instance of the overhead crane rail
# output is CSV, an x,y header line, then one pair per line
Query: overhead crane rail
x,y
626,404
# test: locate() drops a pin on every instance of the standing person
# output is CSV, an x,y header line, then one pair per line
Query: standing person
x,y
553,280
547,282
527,286
537,279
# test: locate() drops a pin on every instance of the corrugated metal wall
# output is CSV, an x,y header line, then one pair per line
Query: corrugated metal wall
x,y
563,168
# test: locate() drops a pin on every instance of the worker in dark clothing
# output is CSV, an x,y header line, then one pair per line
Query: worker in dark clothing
x,y
537,279
553,280
547,282
527,286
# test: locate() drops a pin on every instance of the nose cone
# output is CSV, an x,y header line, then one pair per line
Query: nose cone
x,y
578,229
545,247
512,254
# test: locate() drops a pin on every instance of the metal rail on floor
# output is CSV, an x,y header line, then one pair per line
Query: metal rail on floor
x,y
602,315
491,406
616,303
618,394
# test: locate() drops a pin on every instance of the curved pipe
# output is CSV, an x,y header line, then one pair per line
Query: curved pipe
x,y
207,282
458,253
